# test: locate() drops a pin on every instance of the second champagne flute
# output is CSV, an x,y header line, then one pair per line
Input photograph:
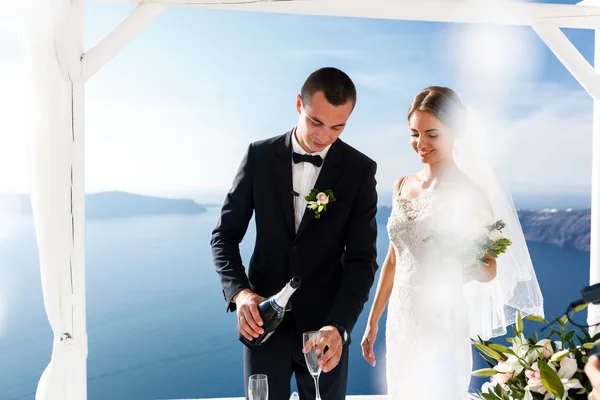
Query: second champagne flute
x,y
310,340
258,387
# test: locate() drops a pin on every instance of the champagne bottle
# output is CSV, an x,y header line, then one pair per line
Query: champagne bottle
x,y
272,311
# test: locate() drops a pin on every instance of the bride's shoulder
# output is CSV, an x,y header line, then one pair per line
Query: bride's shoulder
x,y
398,186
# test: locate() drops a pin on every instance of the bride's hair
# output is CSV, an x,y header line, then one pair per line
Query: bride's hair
x,y
442,102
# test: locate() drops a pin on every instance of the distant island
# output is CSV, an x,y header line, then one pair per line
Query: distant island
x,y
114,204
562,228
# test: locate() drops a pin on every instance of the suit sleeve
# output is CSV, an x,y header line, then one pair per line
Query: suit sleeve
x,y
360,257
230,230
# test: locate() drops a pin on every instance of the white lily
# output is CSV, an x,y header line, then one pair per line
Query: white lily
x,y
568,368
488,387
507,369
520,347
546,351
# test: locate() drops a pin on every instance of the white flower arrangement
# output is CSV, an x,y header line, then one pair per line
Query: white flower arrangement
x,y
533,369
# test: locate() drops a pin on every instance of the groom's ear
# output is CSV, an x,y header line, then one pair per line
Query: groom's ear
x,y
299,104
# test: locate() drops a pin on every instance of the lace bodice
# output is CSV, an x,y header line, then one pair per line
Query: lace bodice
x,y
412,227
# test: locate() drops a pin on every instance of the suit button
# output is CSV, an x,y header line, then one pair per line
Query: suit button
x,y
294,249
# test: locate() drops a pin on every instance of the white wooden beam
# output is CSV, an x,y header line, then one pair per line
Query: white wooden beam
x,y
131,26
571,58
459,11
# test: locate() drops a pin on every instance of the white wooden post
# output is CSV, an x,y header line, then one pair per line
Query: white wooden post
x,y
594,311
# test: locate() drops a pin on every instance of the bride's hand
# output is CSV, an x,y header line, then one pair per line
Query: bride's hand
x,y
368,342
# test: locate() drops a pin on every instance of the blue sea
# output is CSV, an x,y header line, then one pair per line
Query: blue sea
x,y
156,317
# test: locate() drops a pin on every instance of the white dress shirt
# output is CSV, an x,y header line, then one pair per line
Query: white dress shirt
x,y
304,176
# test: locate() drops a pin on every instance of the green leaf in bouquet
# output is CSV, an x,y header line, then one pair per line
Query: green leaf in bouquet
x,y
492,253
560,322
551,380
588,345
490,396
586,333
568,337
515,330
490,352
553,332
501,349
536,319
524,364
502,393
535,337
484,372
518,323
556,357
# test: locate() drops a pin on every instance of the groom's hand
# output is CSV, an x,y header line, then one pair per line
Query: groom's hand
x,y
249,320
331,339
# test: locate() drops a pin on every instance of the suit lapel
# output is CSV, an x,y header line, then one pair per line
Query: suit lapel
x,y
283,170
331,171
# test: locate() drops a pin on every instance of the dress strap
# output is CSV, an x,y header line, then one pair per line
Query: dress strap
x,y
401,185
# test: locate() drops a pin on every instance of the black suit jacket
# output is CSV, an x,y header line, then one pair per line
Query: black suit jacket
x,y
335,256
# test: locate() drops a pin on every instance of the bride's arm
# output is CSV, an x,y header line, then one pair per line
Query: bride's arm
x,y
382,295
384,290
384,286
386,277
488,271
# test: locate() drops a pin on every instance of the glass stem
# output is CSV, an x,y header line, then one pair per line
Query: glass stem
x,y
316,378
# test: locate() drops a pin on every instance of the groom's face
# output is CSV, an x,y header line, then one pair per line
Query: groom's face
x,y
320,123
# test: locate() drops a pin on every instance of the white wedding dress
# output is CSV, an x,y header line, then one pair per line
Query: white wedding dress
x,y
428,349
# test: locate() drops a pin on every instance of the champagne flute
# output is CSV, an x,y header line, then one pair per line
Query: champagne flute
x,y
310,341
258,387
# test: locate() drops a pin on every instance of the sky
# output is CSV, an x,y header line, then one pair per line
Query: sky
x,y
174,111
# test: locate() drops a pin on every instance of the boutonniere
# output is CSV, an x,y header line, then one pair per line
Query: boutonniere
x,y
317,201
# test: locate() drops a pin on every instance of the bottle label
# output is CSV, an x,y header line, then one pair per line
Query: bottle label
x,y
276,307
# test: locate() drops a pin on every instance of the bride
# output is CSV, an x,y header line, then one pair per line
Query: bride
x,y
439,297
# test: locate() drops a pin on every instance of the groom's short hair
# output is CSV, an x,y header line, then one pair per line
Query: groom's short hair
x,y
335,84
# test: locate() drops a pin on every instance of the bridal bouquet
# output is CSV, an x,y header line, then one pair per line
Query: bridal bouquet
x,y
491,241
550,368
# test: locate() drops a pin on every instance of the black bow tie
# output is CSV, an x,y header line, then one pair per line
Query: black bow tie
x,y
315,160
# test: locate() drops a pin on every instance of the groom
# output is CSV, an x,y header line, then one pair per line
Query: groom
x,y
334,254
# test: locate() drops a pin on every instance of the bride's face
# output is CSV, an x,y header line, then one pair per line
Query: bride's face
x,y
430,138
